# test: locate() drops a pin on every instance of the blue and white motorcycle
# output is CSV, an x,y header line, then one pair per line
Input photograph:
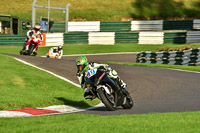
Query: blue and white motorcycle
x,y
108,90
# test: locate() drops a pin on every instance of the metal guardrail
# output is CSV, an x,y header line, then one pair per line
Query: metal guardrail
x,y
76,37
186,57
126,37
110,38
175,37
193,37
115,26
178,25
136,25
151,37
14,40
147,25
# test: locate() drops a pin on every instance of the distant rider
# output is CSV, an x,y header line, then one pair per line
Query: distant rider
x,y
83,66
34,36
55,52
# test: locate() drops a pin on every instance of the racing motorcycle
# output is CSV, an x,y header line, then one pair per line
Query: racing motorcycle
x,y
31,47
108,90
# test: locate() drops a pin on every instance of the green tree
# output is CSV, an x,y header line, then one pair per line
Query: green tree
x,y
164,9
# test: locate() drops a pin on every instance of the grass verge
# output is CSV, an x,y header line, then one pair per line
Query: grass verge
x,y
187,122
24,86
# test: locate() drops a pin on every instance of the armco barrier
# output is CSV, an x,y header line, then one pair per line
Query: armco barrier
x,y
76,37
84,26
148,25
0,26
151,37
54,39
121,26
178,25
57,27
12,40
193,37
101,38
115,26
196,24
126,37
186,57
175,37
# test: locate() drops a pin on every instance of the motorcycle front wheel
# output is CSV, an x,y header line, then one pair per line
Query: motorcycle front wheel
x,y
31,48
107,99
129,102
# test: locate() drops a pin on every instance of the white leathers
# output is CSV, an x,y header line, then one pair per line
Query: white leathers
x,y
55,53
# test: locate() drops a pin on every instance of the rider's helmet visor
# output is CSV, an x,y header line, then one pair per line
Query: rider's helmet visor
x,y
81,67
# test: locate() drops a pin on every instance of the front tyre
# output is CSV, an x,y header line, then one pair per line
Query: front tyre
x,y
104,98
129,102
31,48
21,52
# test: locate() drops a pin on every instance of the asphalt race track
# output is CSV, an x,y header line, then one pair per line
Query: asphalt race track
x,y
153,89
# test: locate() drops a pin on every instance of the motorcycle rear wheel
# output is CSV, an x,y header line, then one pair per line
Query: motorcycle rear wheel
x,y
102,94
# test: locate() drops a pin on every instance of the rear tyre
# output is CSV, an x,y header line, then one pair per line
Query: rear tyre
x,y
105,100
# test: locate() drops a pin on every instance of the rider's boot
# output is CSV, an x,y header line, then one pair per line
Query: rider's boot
x,y
34,52
122,85
26,47
88,95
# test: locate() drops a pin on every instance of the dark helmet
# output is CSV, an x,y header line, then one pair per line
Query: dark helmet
x,y
59,47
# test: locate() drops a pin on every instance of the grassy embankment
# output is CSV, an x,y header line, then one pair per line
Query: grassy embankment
x,y
187,122
92,10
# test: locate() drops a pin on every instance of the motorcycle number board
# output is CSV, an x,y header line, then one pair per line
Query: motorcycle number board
x,y
91,73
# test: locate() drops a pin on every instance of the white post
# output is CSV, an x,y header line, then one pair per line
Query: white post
x,y
67,18
59,8
48,14
0,26
33,13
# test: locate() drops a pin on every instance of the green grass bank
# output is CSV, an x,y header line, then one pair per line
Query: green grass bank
x,y
103,10
187,122
24,86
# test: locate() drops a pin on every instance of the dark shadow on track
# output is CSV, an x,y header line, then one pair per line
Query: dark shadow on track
x,y
73,103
